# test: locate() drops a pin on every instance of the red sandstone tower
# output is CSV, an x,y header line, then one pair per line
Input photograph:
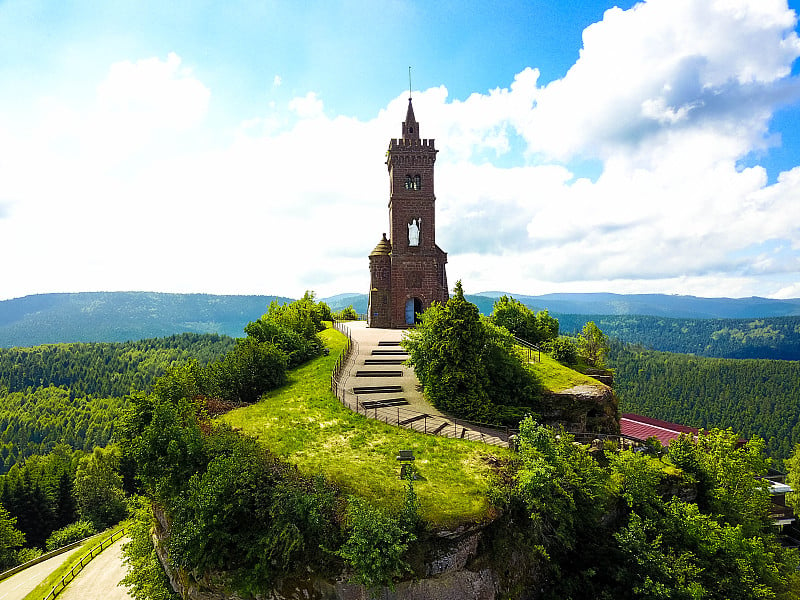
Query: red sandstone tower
x,y
407,271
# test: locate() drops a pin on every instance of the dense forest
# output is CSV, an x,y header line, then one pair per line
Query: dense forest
x,y
104,369
773,338
74,393
752,396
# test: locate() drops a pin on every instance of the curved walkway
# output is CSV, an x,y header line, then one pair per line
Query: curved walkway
x,y
376,383
100,578
23,583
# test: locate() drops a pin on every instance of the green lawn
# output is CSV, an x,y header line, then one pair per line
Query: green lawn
x,y
306,424
554,376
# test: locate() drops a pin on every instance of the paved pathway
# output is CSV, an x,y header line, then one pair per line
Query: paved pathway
x,y
21,584
377,384
99,579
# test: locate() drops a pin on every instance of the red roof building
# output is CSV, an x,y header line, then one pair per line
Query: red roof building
x,y
640,428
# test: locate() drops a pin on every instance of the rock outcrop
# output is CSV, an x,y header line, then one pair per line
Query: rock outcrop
x,y
468,564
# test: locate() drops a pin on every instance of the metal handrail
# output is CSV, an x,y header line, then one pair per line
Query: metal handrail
x,y
531,348
65,579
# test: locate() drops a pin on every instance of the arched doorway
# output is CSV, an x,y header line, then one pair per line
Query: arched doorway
x,y
413,310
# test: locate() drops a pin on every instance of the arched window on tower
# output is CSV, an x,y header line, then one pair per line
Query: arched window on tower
x,y
409,182
417,182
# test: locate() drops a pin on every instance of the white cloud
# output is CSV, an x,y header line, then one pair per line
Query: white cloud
x,y
667,64
140,192
306,107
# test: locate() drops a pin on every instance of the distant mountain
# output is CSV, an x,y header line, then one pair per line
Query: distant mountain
x,y
657,305
123,316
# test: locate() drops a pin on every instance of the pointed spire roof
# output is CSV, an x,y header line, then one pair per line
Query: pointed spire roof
x,y
410,125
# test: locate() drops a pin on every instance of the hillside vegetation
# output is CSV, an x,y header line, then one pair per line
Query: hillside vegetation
x,y
753,396
75,393
775,338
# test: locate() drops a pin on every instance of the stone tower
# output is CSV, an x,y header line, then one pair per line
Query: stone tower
x,y
407,270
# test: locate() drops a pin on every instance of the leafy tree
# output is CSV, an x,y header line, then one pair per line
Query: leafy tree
x,y
793,479
593,345
523,322
467,364
446,350
163,436
98,487
303,316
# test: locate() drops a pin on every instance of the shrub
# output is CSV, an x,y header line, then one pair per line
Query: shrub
x,y
346,314
562,349
71,533
247,371
376,545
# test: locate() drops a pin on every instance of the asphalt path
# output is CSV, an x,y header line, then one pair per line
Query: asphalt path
x,y
99,579
20,585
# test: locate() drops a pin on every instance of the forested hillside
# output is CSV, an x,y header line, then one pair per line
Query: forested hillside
x,y
74,393
752,396
774,338
104,369
123,316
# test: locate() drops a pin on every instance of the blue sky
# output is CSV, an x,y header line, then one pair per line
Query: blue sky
x,y
238,147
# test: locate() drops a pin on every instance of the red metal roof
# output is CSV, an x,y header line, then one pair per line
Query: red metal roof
x,y
641,428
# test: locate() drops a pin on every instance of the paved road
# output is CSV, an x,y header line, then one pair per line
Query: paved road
x,y
99,579
18,586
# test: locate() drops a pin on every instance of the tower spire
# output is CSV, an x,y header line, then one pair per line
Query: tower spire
x,y
410,125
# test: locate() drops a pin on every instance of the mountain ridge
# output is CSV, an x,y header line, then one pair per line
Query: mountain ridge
x,y
124,316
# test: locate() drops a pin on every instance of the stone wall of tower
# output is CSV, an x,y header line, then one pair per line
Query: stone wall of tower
x,y
380,291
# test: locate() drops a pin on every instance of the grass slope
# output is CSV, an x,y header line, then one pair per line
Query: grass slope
x,y
305,423
555,377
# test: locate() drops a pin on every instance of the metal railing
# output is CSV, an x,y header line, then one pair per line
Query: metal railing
x,y
341,362
85,560
530,349
441,425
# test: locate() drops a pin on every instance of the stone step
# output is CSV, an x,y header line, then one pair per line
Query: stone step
x,y
391,402
388,352
377,389
388,343
379,373
412,419
383,361
440,427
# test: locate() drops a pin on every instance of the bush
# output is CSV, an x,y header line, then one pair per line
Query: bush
x,y
71,533
376,545
23,555
247,371
346,314
562,349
